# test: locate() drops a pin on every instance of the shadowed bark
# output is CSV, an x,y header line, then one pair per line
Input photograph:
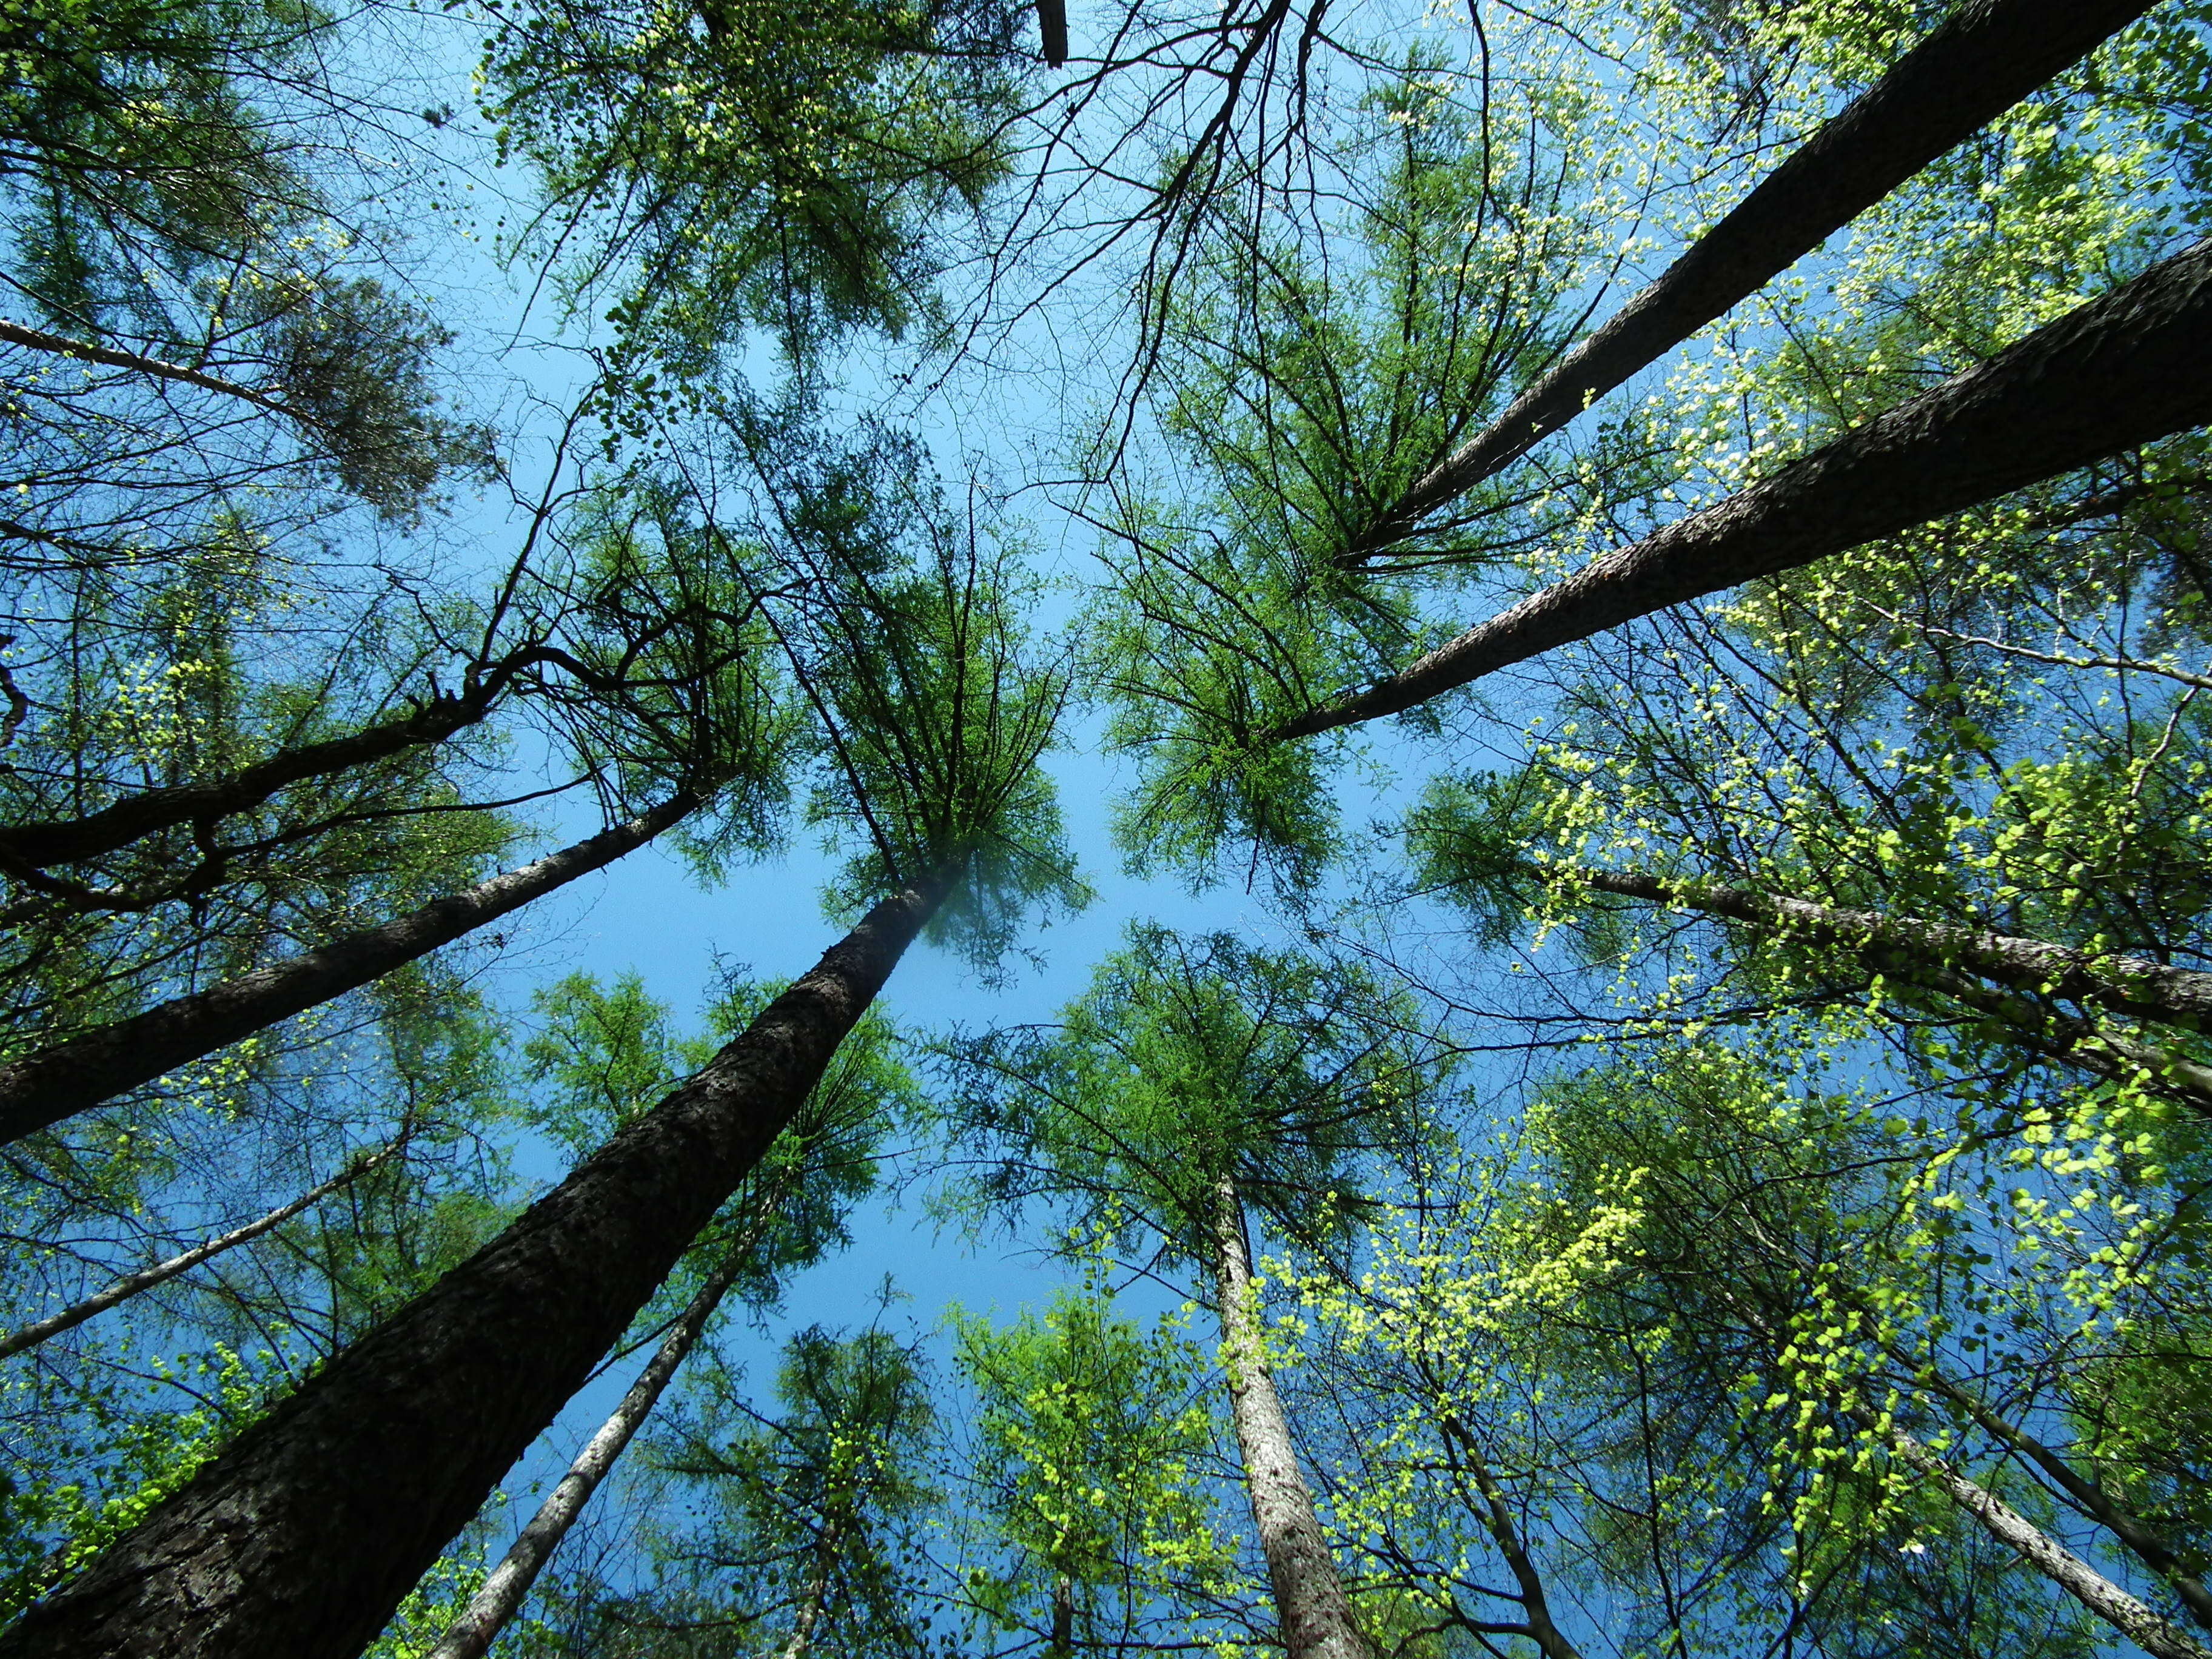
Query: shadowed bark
x,y
1309,1599
62,840
42,1088
299,1540
2129,368
1984,58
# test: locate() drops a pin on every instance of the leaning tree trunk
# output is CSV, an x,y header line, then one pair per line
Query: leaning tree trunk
x,y
64,840
40,1089
299,1540
1310,1598
161,1273
2131,368
503,1588
2139,1624
1985,58
2131,985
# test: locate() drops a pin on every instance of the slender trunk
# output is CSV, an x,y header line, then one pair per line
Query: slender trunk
x,y
38,339
2131,368
299,1540
809,1612
1309,1599
1985,58
501,1593
131,1284
1497,1521
2145,1545
1052,31
2129,985
64,840
43,1087
2121,1611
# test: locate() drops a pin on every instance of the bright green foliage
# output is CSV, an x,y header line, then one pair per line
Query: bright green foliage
x,y
1092,1442
732,164
1191,1060
807,1514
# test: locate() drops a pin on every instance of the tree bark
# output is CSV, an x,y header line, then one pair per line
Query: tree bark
x,y
501,1593
808,1614
43,1087
2129,985
2121,1611
38,339
1497,1521
131,1284
299,1540
2131,368
1985,58
1310,1598
64,840
1063,1617
2140,1540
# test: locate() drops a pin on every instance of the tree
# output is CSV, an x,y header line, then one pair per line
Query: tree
x,y
932,724
1196,1079
1090,1440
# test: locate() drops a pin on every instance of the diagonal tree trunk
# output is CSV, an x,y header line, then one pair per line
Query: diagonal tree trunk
x,y
2131,368
1985,57
132,1285
2129,985
40,1089
299,1540
2139,1624
503,1588
1309,1599
2139,1539
61,841
1497,1521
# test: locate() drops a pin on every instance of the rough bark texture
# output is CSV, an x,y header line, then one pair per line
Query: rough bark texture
x,y
2131,368
1985,58
42,1088
132,1285
2121,1611
1309,1599
2129,985
67,840
300,1539
505,1586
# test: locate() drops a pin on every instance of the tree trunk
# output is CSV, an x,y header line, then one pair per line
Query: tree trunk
x,y
64,840
1985,58
37,339
2131,368
2121,1611
2145,1545
502,1591
2129,985
1497,1521
48,1085
131,1284
1063,1617
1309,1599
299,1540
809,1612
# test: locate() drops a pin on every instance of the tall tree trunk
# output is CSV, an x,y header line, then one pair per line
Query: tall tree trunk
x,y
2129,985
809,1612
2121,1611
503,1588
2131,368
1497,1521
2140,1540
1309,1599
299,1540
1985,58
43,1087
1063,1617
132,1285
62,840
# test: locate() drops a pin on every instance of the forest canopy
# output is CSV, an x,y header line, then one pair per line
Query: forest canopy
x,y
1441,772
